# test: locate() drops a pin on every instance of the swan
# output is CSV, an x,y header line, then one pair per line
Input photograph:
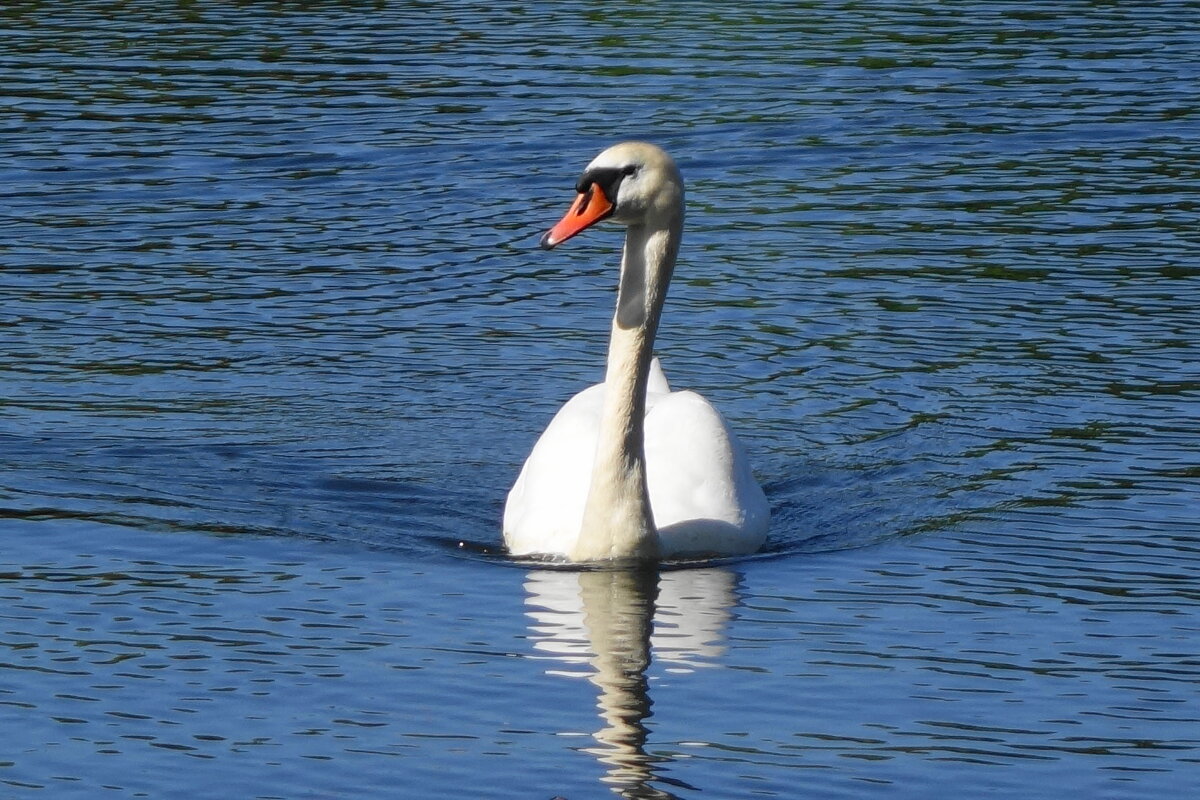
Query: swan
x,y
628,469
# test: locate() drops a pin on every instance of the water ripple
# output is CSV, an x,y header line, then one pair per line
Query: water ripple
x,y
270,285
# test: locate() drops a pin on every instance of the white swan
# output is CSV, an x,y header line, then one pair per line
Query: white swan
x,y
628,469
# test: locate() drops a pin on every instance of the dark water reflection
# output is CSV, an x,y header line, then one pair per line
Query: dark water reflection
x,y
276,339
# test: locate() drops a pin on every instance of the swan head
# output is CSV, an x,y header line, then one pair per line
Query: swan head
x,y
631,183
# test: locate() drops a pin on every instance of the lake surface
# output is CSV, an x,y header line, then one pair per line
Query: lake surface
x,y
277,338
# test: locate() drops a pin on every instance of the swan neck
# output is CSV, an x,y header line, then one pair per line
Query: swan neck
x,y
617,521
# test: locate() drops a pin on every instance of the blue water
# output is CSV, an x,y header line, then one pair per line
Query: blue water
x,y
277,338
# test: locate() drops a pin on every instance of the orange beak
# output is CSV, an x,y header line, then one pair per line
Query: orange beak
x,y
589,207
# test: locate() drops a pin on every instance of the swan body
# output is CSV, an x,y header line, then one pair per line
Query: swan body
x,y
629,469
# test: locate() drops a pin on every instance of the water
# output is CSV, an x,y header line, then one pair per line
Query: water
x,y
277,338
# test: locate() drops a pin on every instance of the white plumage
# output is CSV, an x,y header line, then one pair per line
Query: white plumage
x,y
703,495
629,469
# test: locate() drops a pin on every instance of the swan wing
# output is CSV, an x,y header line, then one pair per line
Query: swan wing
x,y
702,490
545,506
703,494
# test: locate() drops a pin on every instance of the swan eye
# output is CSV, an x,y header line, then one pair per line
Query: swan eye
x,y
607,178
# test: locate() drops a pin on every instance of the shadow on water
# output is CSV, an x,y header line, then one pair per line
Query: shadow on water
x,y
825,509
281,490
234,490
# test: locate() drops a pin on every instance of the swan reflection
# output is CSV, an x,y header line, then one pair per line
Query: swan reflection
x,y
605,625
